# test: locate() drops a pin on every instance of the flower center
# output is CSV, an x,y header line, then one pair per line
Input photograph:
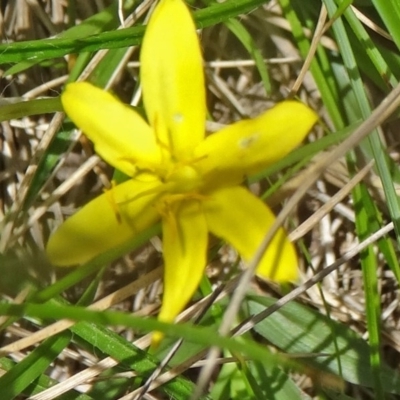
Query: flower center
x,y
184,179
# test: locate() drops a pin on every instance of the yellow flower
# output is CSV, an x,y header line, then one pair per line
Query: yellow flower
x,y
189,181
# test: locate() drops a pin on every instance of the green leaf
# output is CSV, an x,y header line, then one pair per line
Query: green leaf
x,y
18,378
255,380
366,217
244,36
22,108
105,20
43,382
37,50
48,162
390,14
129,356
198,334
295,328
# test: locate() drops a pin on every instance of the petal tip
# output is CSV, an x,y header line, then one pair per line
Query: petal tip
x,y
156,340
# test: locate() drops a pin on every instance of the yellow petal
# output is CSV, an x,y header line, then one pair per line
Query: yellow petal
x,y
119,134
250,145
105,223
243,220
184,246
172,78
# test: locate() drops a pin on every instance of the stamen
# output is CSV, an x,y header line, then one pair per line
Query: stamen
x,y
165,207
159,190
114,205
163,146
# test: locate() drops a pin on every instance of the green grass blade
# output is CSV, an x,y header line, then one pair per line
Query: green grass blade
x,y
18,378
390,14
130,357
295,328
238,29
41,383
320,69
38,50
368,47
22,108
374,145
201,335
105,20
366,213
48,162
